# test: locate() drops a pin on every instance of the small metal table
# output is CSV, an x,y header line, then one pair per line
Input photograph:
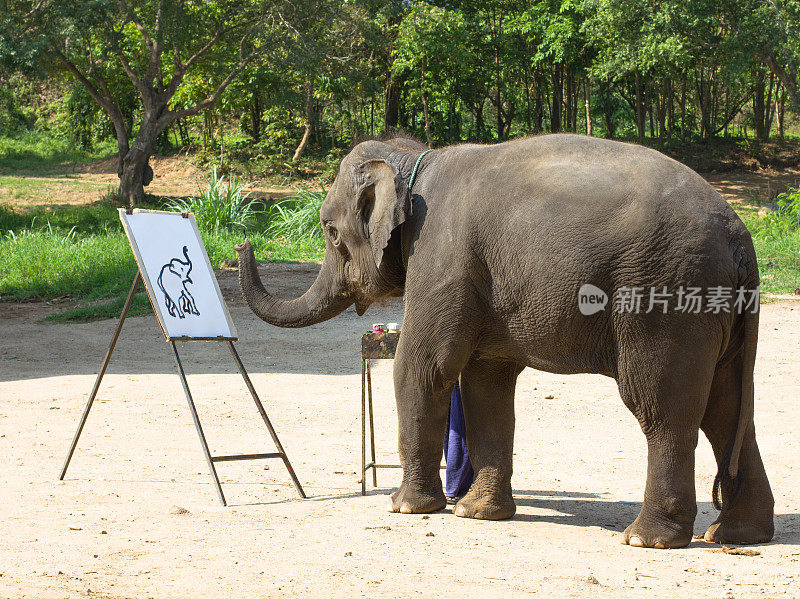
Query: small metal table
x,y
374,346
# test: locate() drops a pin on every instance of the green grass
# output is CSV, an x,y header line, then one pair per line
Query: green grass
x,y
777,264
140,306
101,217
36,150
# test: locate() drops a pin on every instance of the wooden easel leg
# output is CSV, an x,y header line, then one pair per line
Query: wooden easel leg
x,y
265,418
100,374
196,420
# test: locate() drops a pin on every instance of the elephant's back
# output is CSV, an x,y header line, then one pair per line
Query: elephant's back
x,y
585,204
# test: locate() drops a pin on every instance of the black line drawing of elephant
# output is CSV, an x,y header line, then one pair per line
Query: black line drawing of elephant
x,y
172,280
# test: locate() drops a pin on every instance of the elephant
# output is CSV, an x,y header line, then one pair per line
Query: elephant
x,y
490,247
172,281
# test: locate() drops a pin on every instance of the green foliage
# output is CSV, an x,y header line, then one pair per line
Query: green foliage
x,y
776,238
297,218
222,205
784,222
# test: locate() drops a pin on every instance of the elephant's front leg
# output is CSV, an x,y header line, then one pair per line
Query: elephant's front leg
x,y
487,390
423,400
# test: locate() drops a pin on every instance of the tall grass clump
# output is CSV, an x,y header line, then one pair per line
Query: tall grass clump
x,y
297,218
221,206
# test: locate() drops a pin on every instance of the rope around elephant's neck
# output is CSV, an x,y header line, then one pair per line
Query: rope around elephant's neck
x,y
411,180
414,170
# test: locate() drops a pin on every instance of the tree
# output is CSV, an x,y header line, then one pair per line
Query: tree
x,y
155,44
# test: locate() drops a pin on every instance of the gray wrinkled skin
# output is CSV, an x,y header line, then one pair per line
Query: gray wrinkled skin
x,y
498,240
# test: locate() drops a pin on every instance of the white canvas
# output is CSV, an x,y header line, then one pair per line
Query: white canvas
x,y
178,275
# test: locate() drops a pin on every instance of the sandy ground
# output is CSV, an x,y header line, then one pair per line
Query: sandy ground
x,y
111,529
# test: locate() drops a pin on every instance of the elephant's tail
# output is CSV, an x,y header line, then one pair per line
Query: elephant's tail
x,y
729,480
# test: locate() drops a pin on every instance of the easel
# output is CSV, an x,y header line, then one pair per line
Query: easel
x,y
211,460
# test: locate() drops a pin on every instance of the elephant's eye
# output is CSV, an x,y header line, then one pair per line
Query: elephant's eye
x,y
333,233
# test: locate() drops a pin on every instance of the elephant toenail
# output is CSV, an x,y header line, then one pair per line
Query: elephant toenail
x,y
460,511
478,515
659,545
635,541
406,509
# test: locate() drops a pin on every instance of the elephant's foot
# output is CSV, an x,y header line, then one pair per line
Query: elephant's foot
x,y
658,533
739,531
415,501
485,506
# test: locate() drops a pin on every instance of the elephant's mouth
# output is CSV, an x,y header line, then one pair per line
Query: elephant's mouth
x,y
362,303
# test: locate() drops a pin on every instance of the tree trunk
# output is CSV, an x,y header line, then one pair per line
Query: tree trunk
x,y
758,104
670,100
639,116
298,153
255,116
787,77
558,94
683,108
527,102
131,183
606,95
661,104
424,95
569,84
770,106
136,172
587,103
391,114
479,124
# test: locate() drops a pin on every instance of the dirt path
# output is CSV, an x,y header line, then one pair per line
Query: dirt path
x,y
174,177
111,529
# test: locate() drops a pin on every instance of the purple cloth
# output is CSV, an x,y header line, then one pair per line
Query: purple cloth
x,y
458,470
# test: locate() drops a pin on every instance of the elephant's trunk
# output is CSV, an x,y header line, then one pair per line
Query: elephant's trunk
x,y
325,299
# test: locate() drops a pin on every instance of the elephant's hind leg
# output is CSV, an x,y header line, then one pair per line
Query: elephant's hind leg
x,y
666,388
749,517
487,390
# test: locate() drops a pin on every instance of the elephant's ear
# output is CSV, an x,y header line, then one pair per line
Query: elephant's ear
x,y
384,203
